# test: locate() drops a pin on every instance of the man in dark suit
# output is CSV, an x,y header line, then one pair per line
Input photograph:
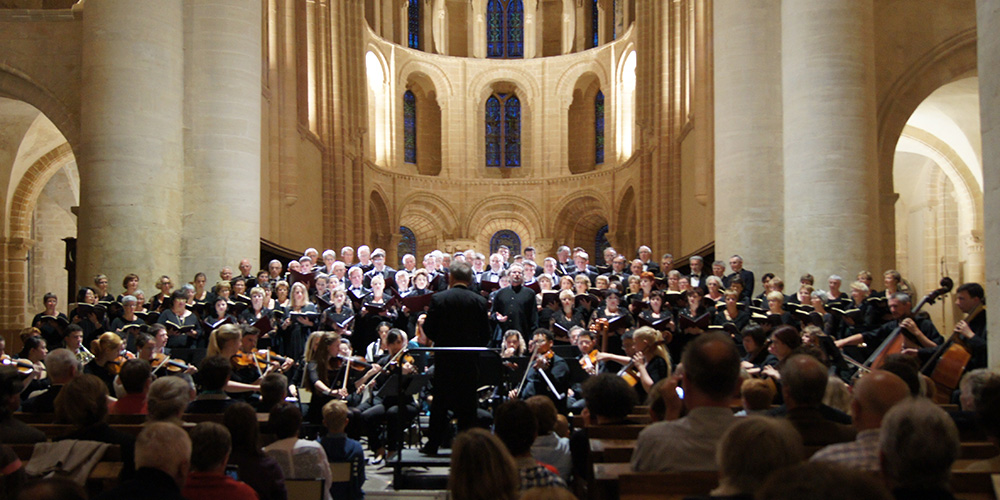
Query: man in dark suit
x,y
379,267
698,276
514,307
457,317
736,263
582,262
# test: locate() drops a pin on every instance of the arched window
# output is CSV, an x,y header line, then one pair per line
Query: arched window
x,y
600,243
505,237
505,29
503,131
407,244
413,40
595,22
409,127
599,128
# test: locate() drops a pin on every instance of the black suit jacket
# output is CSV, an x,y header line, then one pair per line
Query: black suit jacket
x,y
747,277
457,317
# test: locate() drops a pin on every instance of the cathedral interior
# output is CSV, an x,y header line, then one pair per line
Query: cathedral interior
x,y
168,137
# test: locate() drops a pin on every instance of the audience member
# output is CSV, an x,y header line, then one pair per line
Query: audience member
x,y
52,488
62,366
750,450
168,398
83,404
515,425
821,481
918,444
12,430
803,380
12,474
482,468
341,449
548,447
273,390
988,415
756,395
298,458
213,375
874,395
136,378
609,401
210,447
709,378
258,470
162,458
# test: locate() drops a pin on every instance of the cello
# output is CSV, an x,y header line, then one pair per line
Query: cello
x,y
893,344
951,356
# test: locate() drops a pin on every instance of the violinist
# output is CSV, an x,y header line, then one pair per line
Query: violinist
x,y
556,372
922,332
588,352
225,342
182,324
50,322
379,409
108,359
34,352
321,368
971,300
649,363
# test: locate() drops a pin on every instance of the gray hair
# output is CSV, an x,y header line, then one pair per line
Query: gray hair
x,y
162,446
128,299
902,297
821,295
168,397
713,279
919,443
62,365
754,447
698,258
836,277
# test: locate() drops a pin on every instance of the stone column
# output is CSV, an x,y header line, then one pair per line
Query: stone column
x,y
132,152
530,30
223,160
748,147
988,46
829,136
479,29
440,24
568,26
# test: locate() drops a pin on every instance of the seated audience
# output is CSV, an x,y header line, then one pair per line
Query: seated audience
x,y
515,425
213,375
340,449
135,377
874,395
803,380
298,458
821,481
548,447
258,470
482,468
756,396
710,378
62,366
210,447
988,415
273,390
918,444
83,404
51,488
609,401
168,398
12,430
750,450
162,458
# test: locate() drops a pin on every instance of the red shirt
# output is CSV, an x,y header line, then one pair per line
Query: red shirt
x,y
213,486
129,404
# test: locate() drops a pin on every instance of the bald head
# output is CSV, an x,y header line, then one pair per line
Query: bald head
x,y
874,395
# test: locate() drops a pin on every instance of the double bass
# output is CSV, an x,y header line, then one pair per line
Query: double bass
x,y
951,357
893,344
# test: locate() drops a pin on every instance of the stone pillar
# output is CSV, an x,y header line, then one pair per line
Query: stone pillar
x,y
440,24
748,133
829,136
988,47
479,29
568,26
223,153
132,151
530,30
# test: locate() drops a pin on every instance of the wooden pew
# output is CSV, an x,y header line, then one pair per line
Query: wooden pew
x,y
978,450
666,485
629,431
53,431
639,418
975,485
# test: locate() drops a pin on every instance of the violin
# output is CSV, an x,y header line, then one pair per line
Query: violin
x,y
600,327
25,368
355,362
589,361
267,356
115,365
173,365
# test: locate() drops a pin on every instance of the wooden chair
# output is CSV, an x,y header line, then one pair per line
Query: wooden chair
x,y
666,485
305,489
975,485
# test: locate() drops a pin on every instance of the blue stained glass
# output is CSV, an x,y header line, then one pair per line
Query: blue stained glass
x,y
614,20
409,127
407,244
599,128
512,132
492,132
505,237
600,243
515,29
494,29
414,18
595,21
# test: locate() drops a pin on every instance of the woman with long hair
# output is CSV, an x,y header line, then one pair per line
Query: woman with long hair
x,y
108,359
297,323
258,470
482,468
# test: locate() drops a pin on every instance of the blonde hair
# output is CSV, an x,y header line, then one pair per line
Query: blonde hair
x,y
651,336
220,336
106,342
482,468
335,415
305,295
566,293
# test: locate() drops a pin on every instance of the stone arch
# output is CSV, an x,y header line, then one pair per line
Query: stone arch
x,y
949,61
380,106
578,219
482,84
17,85
508,87
429,138
30,187
581,123
442,83
624,226
432,207
626,112
518,213
379,224
570,78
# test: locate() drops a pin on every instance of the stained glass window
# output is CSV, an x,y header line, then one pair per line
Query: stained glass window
x,y
505,237
503,131
409,127
614,20
505,29
407,244
595,21
493,132
600,243
414,19
599,128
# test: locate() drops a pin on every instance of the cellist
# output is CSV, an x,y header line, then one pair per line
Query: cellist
x,y
971,300
922,331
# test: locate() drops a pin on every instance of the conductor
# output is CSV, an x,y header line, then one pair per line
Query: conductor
x,y
457,317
